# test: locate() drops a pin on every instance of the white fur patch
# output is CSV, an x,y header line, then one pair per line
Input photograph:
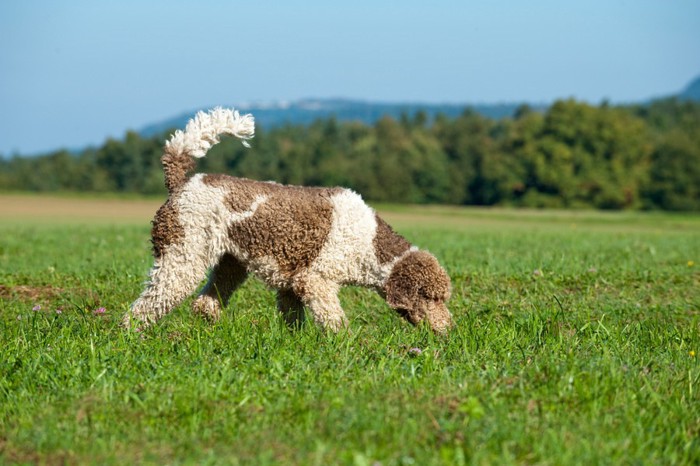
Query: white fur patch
x,y
203,215
202,132
348,256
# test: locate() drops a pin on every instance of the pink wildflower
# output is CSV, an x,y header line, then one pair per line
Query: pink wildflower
x,y
99,310
37,307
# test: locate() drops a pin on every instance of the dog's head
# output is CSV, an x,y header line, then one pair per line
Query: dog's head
x,y
418,288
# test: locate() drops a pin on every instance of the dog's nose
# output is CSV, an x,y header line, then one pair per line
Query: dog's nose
x,y
439,318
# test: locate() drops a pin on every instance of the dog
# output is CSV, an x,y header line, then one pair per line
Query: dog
x,y
305,242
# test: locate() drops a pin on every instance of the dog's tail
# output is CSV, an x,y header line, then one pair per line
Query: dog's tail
x,y
200,134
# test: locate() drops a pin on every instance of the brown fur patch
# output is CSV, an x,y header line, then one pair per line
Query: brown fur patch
x,y
387,243
167,228
175,167
242,191
291,226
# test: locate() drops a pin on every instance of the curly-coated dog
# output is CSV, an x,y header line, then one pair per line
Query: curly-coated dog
x,y
305,242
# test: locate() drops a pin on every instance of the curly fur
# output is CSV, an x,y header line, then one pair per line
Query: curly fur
x,y
304,242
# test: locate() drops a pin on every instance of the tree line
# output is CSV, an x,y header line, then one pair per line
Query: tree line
x,y
573,155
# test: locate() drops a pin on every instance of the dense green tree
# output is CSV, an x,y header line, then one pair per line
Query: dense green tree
x,y
580,155
466,141
674,177
571,155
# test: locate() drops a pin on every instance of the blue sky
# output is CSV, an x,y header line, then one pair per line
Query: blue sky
x,y
75,72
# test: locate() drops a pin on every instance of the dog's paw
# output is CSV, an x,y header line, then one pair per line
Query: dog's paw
x,y
207,307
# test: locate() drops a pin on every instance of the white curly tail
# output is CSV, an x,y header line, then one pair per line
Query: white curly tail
x,y
201,133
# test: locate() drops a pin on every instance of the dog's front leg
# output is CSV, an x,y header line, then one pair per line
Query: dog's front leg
x,y
321,297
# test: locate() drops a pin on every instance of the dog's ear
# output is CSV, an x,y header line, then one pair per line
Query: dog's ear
x,y
400,287
417,276
398,296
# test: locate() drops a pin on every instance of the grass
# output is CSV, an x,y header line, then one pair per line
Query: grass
x,y
576,343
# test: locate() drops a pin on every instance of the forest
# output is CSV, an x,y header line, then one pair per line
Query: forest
x,y
572,155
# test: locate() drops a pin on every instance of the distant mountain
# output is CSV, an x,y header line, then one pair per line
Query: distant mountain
x,y
692,91
273,114
304,112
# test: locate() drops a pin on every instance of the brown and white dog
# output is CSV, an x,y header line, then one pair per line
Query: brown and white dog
x,y
304,242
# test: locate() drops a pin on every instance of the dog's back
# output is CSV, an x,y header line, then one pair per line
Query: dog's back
x,y
280,232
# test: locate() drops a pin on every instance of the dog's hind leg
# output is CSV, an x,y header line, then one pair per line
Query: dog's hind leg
x,y
225,278
174,276
291,307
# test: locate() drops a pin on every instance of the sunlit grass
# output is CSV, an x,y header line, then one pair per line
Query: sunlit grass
x,y
576,343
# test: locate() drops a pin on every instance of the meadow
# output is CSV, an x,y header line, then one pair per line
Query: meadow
x,y
576,342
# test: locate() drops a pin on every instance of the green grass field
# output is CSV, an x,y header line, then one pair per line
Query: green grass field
x,y
577,342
